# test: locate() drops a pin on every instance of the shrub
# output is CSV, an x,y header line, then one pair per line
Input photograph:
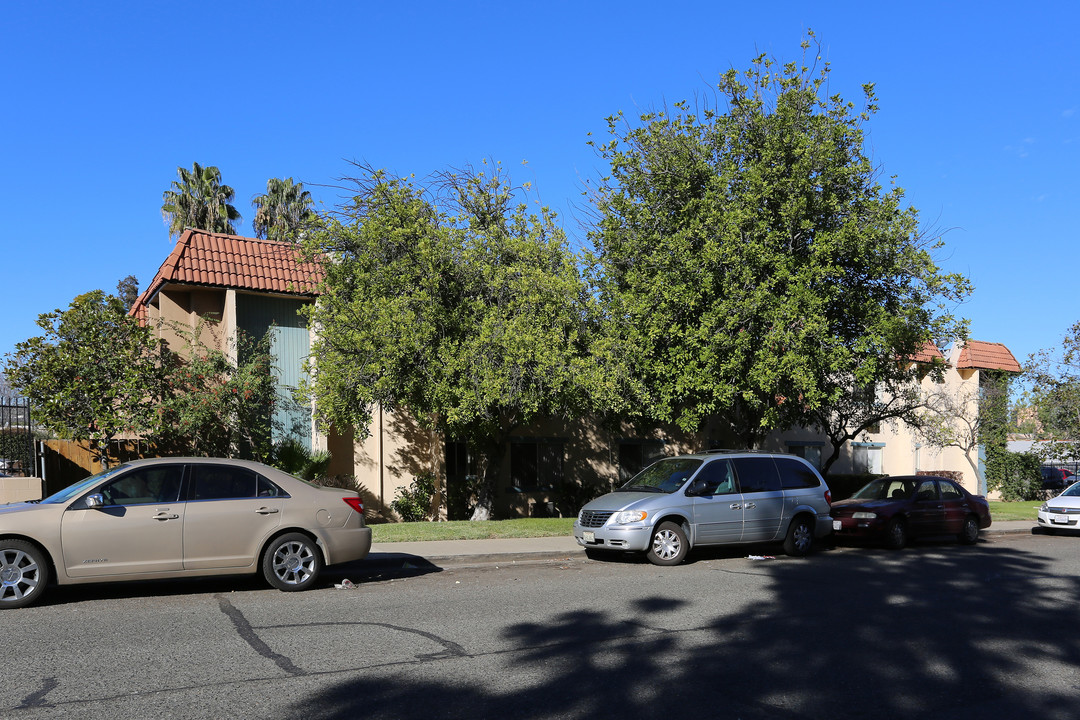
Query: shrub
x,y
413,504
1016,475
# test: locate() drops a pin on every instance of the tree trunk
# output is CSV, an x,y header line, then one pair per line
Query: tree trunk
x,y
491,456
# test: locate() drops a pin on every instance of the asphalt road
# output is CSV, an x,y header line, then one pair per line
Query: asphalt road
x,y
934,631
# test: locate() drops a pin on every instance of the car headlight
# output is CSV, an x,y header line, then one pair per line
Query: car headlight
x,y
1045,508
864,515
630,516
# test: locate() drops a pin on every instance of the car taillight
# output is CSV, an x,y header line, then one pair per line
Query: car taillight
x,y
828,497
355,503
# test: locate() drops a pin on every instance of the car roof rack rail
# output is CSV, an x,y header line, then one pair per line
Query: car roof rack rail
x,y
731,450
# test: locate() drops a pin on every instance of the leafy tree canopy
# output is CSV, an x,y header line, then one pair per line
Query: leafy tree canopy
x,y
93,374
198,200
212,406
1054,375
750,265
282,210
127,290
452,301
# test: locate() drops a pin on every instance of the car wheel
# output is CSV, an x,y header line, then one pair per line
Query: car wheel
x,y
800,537
23,573
292,562
668,546
969,533
896,534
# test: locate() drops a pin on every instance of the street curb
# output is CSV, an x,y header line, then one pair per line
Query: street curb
x,y
414,561
398,561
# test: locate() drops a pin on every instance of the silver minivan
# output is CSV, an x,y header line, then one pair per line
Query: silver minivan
x,y
719,497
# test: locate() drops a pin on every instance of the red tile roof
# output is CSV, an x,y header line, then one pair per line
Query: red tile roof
x,y
987,356
928,354
211,259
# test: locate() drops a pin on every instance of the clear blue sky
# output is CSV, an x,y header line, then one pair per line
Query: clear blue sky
x,y
979,118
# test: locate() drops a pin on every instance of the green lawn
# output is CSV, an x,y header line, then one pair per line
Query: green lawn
x,y
466,530
1002,511
548,527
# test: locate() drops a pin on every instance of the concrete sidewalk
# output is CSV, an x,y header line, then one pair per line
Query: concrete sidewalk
x,y
518,550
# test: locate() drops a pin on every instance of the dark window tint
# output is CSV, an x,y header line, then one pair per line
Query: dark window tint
x,y
155,484
267,488
221,482
950,492
794,474
757,474
927,490
718,476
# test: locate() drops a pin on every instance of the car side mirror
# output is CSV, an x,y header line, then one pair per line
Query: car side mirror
x,y
95,500
698,487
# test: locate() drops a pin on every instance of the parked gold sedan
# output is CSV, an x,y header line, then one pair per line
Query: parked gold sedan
x,y
179,517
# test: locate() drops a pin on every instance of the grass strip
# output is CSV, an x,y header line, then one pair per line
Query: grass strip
x,y
551,527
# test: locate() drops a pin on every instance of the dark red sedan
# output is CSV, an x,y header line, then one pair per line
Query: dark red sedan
x,y
894,509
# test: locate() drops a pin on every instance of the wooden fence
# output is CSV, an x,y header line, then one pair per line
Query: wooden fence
x,y
68,461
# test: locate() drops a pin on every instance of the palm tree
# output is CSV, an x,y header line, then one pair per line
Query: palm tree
x,y
282,210
199,200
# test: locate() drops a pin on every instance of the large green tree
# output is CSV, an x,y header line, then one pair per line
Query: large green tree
x,y
1054,375
282,210
211,405
93,375
197,199
453,302
752,268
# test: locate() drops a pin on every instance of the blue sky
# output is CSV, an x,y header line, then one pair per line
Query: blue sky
x,y
979,119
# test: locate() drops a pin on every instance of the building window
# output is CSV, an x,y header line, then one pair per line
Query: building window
x,y
536,464
868,457
636,455
809,450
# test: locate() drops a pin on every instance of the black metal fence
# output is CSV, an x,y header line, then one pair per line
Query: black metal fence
x,y
17,452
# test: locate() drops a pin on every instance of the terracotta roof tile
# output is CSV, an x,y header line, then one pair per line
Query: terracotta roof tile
x,y
987,356
201,258
928,354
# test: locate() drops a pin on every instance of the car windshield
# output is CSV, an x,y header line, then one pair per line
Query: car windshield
x,y
665,476
887,489
73,491
1072,491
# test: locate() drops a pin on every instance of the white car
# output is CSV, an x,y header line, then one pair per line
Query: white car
x,y
1062,512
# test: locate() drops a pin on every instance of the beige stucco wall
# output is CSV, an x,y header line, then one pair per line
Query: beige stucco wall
x,y
20,489
212,309
904,451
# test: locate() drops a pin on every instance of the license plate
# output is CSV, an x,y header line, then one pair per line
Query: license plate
x,y
837,525
1060,519
589,536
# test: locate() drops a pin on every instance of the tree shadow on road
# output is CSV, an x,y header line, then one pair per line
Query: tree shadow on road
x,y
932,632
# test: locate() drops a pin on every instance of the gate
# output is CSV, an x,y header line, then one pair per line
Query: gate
x,y
17,456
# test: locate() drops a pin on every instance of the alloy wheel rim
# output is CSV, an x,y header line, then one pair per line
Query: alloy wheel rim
x,y
18,575
802,537
666,544
294,563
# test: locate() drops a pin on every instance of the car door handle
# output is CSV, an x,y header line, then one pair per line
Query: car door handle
x,y
736,506
165,515
749,506
266,511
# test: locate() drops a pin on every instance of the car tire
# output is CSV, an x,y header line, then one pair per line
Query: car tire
x,y
896,534
969,533
24,573
668,545
800,537
292,562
